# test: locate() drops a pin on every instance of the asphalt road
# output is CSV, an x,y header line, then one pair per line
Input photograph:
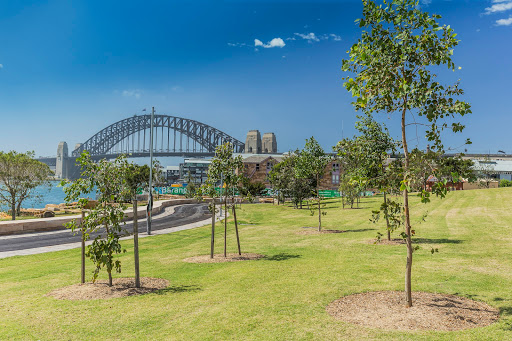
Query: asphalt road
x,y
183,214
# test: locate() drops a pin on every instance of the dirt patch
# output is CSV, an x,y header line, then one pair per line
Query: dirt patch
x,y
314,230
386,310
396,241
121,287
219,258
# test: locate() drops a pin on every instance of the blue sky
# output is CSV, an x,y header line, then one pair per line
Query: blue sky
x,y
68,69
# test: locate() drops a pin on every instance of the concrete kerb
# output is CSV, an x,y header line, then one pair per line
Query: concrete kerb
x,y
49,224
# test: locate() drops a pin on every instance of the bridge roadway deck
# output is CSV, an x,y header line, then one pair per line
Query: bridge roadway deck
x,y
172,219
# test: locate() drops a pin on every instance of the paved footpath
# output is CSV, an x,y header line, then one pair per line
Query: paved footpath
x,y
172,219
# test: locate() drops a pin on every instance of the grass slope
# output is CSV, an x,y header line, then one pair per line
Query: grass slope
x,y
284,296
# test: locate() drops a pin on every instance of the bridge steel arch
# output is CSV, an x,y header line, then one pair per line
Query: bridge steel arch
x,y
124,137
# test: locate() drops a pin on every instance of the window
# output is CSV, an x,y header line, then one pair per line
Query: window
x,y
257,166
335,179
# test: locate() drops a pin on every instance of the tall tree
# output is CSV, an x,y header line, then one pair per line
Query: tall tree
x,y
311,162
226,170
288,184
393,66
366,157
109,180
20,175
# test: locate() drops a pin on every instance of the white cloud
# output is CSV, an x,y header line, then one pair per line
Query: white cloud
x,y
276,42
499,7
426,2
335,37
310,37
504,22
498,1
1,66
132,93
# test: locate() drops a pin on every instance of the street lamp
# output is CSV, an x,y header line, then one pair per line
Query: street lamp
x,y
150,196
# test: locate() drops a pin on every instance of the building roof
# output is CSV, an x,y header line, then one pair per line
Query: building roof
x,y
205,161
259,158
493,166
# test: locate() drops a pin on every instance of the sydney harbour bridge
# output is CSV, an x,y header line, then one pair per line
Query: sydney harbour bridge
x,y
173,136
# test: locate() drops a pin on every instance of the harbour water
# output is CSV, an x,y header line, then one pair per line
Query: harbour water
x,y
54,194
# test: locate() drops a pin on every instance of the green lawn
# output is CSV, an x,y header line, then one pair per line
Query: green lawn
x,y
284,296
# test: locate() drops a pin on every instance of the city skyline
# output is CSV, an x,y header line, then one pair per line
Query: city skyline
x,y
69,70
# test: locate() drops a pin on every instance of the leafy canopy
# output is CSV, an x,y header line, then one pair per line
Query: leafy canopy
x,y
392,63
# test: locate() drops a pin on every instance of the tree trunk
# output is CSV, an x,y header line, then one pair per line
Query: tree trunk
x,y
18,209
212,246
225,226
408,269
387,217
236,229
319,210
136,243
82,268
109,258
13,211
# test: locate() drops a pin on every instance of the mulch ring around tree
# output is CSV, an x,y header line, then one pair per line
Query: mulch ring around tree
x,y
307,230
395,241
386,310
219,258
121,287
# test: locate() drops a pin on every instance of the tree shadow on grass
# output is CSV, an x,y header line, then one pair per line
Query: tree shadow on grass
x,y
360,230
178,289
437,241
282,256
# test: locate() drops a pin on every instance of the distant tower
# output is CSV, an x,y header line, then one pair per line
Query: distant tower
x,y
269,143
61,167
78,145
253,142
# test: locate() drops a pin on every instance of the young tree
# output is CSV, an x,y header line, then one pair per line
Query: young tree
x,y
393,66
285,181
136,177
109,180
20,175
228,171
311,162
208,189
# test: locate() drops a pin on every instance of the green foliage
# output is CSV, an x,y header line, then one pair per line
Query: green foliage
x,y
112,187
392,211
311,163
137,177
391,64
225,168
286,182
363,160
505,183
191,190
248,188
20,174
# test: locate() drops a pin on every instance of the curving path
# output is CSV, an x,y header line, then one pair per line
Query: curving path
x,y
172,219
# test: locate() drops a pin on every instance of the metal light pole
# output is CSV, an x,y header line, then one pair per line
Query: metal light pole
x,y
150,196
